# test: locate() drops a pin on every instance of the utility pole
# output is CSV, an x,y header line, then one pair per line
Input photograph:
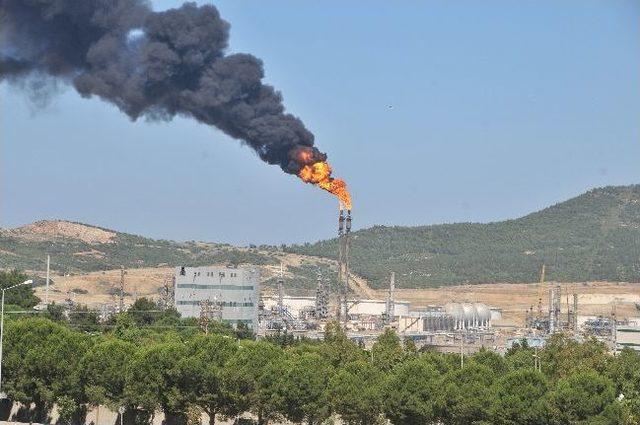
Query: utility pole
x,y
46,290
390,307
123,272
281,292
540,286
205,315
536,359
461,350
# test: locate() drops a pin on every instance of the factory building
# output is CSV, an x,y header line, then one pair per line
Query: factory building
x,y
232,293
627,337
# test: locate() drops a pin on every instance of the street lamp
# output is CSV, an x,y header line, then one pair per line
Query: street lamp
x,y
26,282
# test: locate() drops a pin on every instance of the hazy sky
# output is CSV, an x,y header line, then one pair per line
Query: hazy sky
x,y
433,111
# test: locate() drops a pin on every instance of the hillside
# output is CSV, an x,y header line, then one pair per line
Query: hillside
x,y
595,236
76,247
87,258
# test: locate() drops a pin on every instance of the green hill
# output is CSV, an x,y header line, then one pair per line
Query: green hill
x,y
595,236
76,247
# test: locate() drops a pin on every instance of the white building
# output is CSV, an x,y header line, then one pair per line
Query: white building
x,y
628,336
234,290
292,303
376,307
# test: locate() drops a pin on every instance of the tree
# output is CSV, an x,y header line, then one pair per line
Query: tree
x,y
519,398
624,370
410,348
303,388
387,351
355,392
251,380
492,360
465,395
80,317
242,331
201,373
144,312
22,296
410,393
581,396
55,312
563,356
520,358
338,348
442,363
152,380
103,373
41,366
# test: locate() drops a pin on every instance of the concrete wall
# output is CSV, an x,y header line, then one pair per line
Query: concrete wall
x,y
628,336
236,290
376,307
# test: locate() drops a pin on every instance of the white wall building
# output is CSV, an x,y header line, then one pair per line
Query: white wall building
x,y
234,289
628,336
376,307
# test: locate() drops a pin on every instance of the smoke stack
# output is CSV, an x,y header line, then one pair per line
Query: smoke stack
x,y
158,65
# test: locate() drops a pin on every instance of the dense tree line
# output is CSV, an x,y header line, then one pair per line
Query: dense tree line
x,y
180,370
149,360
595,236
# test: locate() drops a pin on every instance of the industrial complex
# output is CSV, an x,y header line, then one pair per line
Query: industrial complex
x,y
232,294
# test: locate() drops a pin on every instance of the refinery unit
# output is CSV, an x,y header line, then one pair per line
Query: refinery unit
x,y
232,294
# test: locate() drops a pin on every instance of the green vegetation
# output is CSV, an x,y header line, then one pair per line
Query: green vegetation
x,y
72,255
595,236
146,363
22,296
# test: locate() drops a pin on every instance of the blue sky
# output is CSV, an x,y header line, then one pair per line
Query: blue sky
x,y
433,111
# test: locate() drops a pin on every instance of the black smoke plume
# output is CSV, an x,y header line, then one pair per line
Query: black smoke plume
x,y
154,65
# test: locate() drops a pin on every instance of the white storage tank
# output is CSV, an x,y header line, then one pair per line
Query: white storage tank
x,y
483,314
468,316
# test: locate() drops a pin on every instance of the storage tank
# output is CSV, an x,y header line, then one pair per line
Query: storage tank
x,y
469,315
483,315
457,313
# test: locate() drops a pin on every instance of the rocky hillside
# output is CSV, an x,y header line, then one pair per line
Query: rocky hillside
x,y
76,247
85,253
595,236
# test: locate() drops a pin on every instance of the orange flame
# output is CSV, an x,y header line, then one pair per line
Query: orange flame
x,y
319,173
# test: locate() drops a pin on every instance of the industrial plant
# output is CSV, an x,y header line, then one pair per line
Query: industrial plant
x,y
232,294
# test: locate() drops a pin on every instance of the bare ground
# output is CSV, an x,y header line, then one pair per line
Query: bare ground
x,y
98,288
594,298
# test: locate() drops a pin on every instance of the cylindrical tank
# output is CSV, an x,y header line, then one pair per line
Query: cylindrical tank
x,y
469,315
457,313
484,315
